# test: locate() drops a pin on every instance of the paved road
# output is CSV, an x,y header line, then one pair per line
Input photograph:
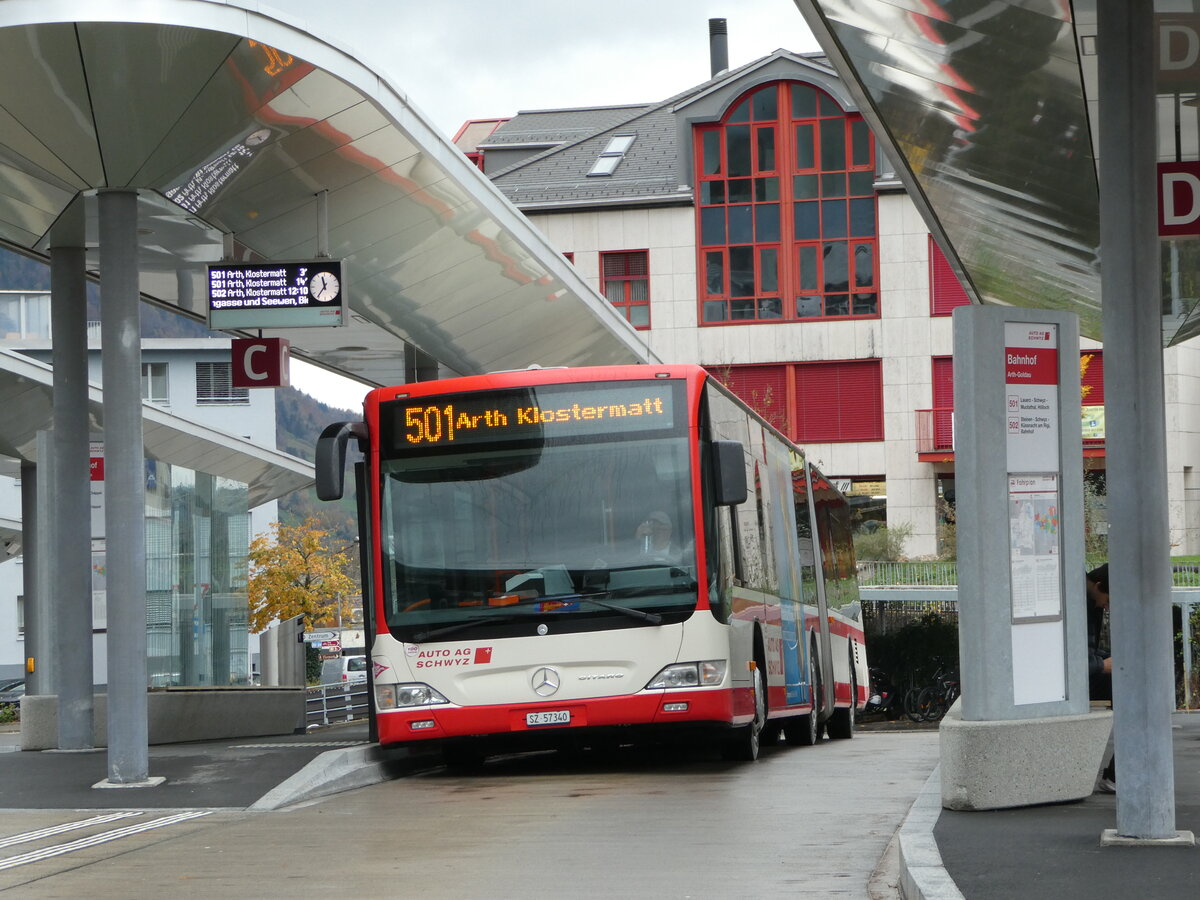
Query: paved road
x,y
807,822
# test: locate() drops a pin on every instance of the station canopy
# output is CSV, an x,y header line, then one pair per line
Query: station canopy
x,y
229,119
989,108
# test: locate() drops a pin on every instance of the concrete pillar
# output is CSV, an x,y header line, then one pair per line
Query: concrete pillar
x,y
71,577
1138,539
124,489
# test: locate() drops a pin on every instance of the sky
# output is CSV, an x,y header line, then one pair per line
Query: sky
x,y
476,59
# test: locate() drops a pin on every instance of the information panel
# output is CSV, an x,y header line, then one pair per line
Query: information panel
x,y
309,293
1031,391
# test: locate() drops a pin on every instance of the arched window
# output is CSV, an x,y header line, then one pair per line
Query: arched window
x,y
785,199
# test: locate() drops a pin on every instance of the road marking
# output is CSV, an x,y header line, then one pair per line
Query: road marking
x,y
103,837
61,829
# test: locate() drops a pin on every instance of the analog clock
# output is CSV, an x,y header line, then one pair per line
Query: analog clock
x,y
324,286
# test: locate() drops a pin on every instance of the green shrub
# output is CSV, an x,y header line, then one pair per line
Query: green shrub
x,y
883,544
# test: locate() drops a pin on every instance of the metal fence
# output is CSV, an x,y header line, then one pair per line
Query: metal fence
x,y
329,704
895,594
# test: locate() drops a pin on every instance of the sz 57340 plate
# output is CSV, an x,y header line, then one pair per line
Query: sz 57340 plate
x,y
548,717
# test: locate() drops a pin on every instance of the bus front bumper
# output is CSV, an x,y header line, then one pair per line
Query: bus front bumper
x,y
653,709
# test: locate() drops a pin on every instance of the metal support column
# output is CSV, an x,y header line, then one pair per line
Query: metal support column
x,y
70,581
1139,542
124,489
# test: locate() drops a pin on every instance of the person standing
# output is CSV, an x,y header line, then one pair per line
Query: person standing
x,y
1100,661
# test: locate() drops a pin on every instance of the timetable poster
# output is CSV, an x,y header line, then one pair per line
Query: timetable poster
x,y
1034,547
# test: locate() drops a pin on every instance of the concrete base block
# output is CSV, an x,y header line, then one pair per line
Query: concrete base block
x,y
176,715
1020,762
1110,838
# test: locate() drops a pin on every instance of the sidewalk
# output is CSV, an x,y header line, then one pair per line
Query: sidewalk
x,y
1054,851
238,773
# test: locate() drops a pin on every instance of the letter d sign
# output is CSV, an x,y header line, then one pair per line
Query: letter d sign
x,y
261,362
1178,199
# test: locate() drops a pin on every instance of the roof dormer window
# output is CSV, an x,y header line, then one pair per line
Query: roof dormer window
x,y
611,156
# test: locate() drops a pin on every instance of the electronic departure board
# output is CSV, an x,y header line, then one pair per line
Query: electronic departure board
x,y
534,413
276,294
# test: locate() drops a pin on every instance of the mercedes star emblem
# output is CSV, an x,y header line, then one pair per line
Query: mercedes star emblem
x,y
545,681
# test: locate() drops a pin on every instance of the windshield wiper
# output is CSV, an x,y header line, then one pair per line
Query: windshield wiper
x,y
652,618
421,637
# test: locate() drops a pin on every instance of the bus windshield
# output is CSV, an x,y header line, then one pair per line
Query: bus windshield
x,y
560,525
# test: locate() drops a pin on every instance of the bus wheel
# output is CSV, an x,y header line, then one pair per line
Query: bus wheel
x,y
841,723
802,730
744,743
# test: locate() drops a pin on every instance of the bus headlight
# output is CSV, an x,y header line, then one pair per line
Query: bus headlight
x,y
693,674
402,696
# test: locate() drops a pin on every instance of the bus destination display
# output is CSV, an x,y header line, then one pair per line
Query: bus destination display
x,y
553,411
275,294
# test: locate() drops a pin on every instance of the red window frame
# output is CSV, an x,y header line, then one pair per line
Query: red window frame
x,y
625,282
945,290
787,227
832,402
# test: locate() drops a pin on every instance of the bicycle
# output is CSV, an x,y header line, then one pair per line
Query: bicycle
x,y
936,699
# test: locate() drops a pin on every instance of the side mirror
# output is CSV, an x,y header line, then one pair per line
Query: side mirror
x,y
729,472
330,464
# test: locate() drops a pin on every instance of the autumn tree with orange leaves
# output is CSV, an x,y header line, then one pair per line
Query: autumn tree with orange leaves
x,y
294,571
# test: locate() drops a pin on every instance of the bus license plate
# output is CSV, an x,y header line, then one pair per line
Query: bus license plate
x,y
550,717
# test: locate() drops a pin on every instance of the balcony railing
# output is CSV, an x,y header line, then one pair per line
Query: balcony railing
x,y
935,429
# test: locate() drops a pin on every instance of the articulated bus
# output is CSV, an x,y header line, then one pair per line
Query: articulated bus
x,y
596,555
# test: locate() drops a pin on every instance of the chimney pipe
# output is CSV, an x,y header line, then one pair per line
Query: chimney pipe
x,y
718,45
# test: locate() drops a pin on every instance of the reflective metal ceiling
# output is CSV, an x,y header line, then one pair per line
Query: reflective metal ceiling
x,y
984,103
26,397
228,120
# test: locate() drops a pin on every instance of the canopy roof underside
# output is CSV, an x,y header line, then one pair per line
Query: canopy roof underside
x,y
990,107
228,121
26,401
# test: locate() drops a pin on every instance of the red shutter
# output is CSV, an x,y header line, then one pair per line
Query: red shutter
x,y
943,401
762,388
945,291
1091,377
840,401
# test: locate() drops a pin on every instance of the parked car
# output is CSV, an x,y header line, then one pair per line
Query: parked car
x,y
354,670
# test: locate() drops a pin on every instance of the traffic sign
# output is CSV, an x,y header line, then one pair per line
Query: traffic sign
x,y
318,637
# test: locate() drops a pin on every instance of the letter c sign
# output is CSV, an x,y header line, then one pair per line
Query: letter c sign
x,y
261,362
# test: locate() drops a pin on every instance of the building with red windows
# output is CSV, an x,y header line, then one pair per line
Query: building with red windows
x,y
750,224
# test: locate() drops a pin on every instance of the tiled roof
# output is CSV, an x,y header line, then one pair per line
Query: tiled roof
x,y
649,171
555,126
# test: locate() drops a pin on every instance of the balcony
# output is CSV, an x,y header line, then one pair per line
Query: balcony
x,y
935,433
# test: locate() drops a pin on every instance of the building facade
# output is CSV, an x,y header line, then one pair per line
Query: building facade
x,y
751,225
198,525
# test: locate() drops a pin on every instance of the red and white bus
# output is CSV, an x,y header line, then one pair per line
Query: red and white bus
x,y
595,555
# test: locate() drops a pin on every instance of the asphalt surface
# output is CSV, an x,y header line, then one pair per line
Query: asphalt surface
x,y
1049,851
1054,850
